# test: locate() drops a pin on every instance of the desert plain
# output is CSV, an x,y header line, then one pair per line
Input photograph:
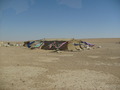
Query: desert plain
x,y
95,69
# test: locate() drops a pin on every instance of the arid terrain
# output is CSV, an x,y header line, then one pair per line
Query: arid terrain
x,y
95,69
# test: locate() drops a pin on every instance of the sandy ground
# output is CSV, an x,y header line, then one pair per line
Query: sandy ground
x,y
96,69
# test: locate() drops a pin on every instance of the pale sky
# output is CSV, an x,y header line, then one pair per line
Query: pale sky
x,y
37,19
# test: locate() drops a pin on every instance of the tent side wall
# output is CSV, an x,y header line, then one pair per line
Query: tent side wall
x,y
72,47
47,44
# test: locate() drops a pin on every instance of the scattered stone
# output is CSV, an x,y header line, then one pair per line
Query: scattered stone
x,y
99,46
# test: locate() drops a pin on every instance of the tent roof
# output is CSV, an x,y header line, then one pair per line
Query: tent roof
x,y
57,39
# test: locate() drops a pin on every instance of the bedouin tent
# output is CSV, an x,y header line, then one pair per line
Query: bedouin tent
x,y
71,45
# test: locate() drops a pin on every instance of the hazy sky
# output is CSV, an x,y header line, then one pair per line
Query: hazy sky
x,y
37,19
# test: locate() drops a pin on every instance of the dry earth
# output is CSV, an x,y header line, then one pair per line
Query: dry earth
x,y
96,69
